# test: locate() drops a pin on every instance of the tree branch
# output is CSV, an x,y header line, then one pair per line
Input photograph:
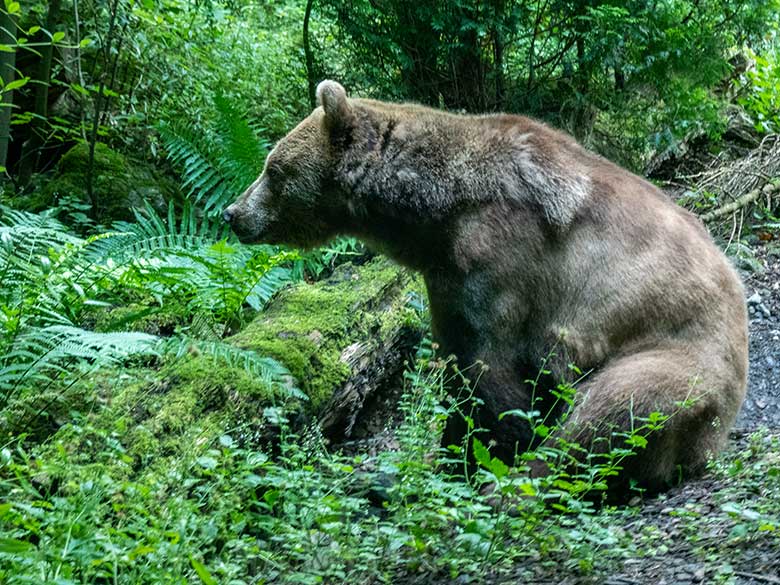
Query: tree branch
x,y
768,189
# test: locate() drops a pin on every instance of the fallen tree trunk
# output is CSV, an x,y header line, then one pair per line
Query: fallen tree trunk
x,y
343,339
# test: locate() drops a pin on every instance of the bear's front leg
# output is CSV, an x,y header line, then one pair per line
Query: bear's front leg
x,y
489,380
490,392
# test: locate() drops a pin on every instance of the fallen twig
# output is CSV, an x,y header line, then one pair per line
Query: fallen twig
x,y
757,577
768,189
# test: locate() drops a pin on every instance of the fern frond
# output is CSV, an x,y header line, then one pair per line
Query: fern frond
x,y
150,237
215,171
242,151
16,218
41,353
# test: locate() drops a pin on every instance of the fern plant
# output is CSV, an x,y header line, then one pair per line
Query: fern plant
x,y
215,170
51,281
192,263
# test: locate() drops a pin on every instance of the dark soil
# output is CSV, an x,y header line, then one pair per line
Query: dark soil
x,y
762,287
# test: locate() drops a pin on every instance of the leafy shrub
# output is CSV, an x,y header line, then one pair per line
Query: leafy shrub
x,y
760,95
52,282
217,508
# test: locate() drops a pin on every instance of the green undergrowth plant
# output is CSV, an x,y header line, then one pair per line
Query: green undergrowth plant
x,y
194,264
759,90
69,305
554,466
129,492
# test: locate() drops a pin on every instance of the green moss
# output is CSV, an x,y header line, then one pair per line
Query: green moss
x,y
309,326
163,414
119,184
145,317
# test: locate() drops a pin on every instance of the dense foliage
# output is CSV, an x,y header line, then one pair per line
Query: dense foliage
x,y
139,441
586,65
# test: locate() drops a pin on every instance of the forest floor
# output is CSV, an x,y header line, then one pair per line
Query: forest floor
x,y
762,405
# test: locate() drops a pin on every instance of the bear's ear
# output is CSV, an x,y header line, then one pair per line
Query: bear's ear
x,y
333,99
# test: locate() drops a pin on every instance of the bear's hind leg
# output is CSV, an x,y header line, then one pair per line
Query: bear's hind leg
x,y
701,401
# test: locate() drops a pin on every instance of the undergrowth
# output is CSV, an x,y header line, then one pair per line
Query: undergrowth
x,y
216,506
68,305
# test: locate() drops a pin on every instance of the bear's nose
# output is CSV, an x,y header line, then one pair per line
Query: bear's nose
x,y
227,215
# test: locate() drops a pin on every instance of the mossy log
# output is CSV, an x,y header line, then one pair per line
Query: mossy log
x,y
343,339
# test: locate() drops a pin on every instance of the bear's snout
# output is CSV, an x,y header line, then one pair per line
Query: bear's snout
x,y
227,215
233,216
249,225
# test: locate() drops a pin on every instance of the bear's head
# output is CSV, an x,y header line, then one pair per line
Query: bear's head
x,y
295,200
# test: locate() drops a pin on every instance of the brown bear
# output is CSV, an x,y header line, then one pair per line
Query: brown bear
x,y
533,250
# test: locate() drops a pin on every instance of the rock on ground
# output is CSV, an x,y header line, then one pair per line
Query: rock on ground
x,y
762,288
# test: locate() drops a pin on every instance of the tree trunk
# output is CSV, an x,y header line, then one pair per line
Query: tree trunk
x,y
31,152
7,70
344,339
113,10
583,74
498,67
309,57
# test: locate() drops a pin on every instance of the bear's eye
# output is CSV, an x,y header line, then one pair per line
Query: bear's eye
x,y
272,172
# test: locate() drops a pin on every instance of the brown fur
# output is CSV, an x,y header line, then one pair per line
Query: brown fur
x,y
529,245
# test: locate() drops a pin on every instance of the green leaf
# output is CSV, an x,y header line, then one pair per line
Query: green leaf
x,y
542,430
481,453
57,37
637,441
527,489
141,549
202,572
78,88
207,462
498,468
16,84
270,497
13,546
13,7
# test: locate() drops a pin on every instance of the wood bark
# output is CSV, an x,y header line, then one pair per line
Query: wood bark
x,y
375,363
768,189
7,73
345,339
310,81
28,162
99,104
